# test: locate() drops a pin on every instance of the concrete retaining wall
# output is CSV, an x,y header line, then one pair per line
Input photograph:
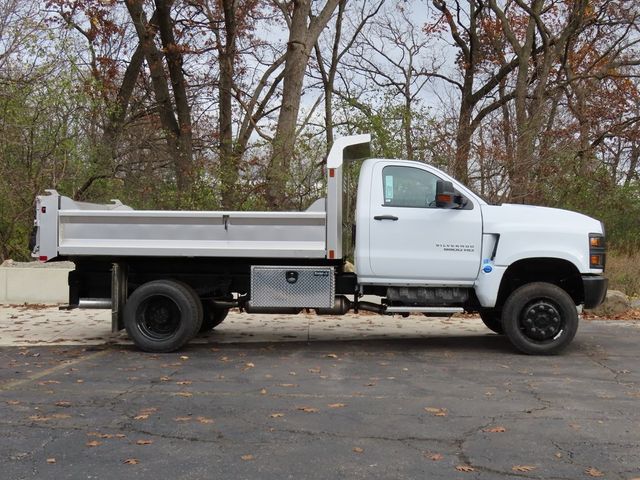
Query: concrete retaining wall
x,y
31,284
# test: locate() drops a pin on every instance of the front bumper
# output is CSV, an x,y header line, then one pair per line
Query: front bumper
x,y
595,290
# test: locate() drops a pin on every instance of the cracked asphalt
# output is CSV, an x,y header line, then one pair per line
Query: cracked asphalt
x,y
451,407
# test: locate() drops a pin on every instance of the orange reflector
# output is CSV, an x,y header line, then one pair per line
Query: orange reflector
x,y
332,172
445,198
332,254
596,260
596,241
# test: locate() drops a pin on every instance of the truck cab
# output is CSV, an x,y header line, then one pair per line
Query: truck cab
x,y
433,242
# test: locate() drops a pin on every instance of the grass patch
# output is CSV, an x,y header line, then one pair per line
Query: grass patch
x,y
623,271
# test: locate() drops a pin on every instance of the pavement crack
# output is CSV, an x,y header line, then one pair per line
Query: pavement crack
x,y
616,373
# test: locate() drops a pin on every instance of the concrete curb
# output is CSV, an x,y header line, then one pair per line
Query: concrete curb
x,y
34,285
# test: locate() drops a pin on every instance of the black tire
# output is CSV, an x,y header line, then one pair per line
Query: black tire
x,y
196,298
212,316
492,318
162,316
540,319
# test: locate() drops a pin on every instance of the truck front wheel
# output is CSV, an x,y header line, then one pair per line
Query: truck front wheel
x,y
540,319
162,315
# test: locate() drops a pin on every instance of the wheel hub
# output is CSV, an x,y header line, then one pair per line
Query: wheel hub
x,y
541,321
158,317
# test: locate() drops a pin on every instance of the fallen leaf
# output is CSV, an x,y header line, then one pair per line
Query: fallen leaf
x,y
495,430
358,449
331,355
93,443
314,370
249,365
144,442
557,455
143,416
263,391
184,382
308,409
51,460
48,382
247,457
164,379
434,456
436,412
277,415
182,419
100,435
337,405
183,394
184,357
13,402
204,420
594,472
131,461
63,403
44,418
465,468
287,385
523,468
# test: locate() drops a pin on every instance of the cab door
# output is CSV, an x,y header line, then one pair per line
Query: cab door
x,y
413,240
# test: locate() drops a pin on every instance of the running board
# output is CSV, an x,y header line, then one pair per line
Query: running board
x,y
447,310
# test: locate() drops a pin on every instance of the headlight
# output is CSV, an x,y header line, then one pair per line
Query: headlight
x,y
597,251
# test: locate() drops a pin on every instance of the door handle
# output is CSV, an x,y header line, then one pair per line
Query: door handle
x,y
385,217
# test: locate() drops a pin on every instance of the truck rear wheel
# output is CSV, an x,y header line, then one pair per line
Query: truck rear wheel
x,y
212,316
492,318
162,315
540,319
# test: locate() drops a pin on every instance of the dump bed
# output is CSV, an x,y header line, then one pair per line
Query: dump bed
x,y
67,228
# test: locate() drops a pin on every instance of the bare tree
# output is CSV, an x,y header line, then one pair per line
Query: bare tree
x,y
392,56
304,28
329,65
174,112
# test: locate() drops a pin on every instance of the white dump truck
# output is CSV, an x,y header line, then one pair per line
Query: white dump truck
x,y
421,242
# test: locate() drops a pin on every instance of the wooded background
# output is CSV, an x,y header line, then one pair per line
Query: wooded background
x,y
233,104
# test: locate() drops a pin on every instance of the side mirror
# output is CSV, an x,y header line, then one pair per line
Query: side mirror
x,y
445,195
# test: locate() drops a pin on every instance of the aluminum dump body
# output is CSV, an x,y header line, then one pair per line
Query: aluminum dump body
x,y
116,230
67,228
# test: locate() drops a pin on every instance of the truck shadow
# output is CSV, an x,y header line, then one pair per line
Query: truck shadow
x,y
435,344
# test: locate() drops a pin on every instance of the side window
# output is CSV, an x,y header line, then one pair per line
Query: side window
x,y
408,187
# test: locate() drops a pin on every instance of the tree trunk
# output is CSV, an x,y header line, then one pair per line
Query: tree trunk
x,y
179,148
302,37
173,55
229,161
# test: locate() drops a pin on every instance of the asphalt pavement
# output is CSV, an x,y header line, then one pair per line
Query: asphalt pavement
x,y
321,398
